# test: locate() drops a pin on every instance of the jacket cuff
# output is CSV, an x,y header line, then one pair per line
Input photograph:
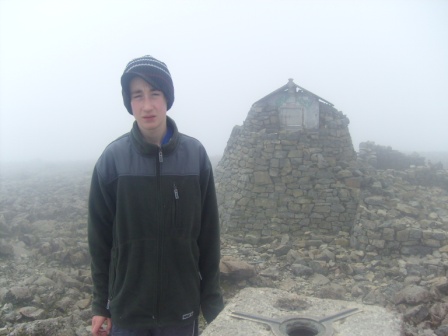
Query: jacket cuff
x,y
211,311
100,311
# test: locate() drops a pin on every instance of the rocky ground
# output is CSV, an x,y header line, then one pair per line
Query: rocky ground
x,y
45,282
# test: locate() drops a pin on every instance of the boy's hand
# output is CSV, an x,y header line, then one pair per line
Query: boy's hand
x,y
97,325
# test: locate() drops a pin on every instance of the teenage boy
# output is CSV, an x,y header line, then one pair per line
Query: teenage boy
x,y
153,226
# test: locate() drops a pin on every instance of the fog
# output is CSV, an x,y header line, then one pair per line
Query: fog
x,y
384,64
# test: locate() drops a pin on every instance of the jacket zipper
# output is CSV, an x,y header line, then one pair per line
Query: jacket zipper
x,y
114,274
160,236
176,192
176,207
160,155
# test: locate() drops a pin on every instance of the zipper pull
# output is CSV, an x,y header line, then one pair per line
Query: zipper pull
x,y
160,155
176,193
108,304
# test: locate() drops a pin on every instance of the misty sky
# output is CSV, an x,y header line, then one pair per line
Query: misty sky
x,y
384,64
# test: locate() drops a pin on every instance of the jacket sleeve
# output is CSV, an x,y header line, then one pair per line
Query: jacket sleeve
x,y
100,220
209,247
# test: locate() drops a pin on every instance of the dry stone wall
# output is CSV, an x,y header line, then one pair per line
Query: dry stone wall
x,y
403,213
273,181
309,184
384,157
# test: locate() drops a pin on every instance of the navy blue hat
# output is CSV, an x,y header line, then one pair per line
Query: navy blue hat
x,y
152,71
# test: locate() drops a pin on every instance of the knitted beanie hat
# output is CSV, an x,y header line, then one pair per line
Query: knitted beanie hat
x,y
152,71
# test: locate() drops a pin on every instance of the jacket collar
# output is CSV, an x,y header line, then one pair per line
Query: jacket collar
x,y
146,148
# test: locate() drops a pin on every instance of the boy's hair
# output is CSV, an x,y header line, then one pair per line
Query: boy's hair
x,y
152,71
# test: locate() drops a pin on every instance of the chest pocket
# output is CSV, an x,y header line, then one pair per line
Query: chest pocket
x,y
177,221
186,214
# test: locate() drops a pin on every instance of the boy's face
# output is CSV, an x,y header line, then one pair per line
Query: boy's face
x,y
148,107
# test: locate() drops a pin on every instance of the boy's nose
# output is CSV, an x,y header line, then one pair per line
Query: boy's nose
x,y
147,104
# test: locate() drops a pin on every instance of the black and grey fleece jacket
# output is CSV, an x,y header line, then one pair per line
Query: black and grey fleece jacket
x,y
153,232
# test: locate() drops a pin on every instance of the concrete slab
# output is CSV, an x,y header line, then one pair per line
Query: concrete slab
x,y
274,303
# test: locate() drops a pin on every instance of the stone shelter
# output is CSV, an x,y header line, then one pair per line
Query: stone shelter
x,y
289,169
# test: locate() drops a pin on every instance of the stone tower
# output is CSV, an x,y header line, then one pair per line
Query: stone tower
x,y
291,168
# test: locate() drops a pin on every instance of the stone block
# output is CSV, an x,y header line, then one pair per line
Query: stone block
x,y
353,182
324,226
378,243
402,235
337,208
373,234
388,234
431,243
415,234
262,178
407,210
416,250
344,173
374,200
322,208
344,242
295,154
243,201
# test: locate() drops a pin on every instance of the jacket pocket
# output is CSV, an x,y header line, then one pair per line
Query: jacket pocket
x,y
184,209
177,216
112,272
